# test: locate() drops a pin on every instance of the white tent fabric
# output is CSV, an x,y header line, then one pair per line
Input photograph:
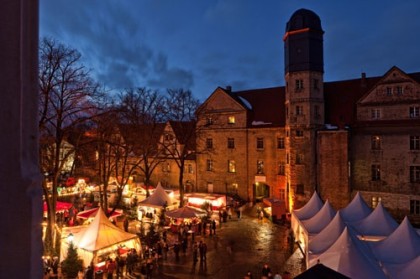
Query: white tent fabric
x,y
378,223
318,222
349,257
158,199
310,209
322,241
356,210
100,235
404,271
399,247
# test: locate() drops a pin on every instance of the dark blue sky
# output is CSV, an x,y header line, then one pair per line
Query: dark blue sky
x,y
202,44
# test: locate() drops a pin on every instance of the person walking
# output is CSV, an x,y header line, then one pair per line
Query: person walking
x,y
213,226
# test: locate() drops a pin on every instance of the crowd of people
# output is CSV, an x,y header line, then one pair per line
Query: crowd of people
x,y
266,273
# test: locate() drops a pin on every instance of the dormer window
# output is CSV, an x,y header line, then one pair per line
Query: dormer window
x,y
231,120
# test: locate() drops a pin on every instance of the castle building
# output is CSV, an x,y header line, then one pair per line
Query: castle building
x,y
336,138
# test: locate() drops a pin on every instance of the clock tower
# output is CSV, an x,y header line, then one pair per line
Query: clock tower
x,y
304,70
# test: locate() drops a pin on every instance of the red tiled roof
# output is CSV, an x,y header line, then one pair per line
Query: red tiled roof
x,y
267,104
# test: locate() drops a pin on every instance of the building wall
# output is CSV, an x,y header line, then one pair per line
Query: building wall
x,y
333,171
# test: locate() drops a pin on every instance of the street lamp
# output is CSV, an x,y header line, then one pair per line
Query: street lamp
x,y
70,238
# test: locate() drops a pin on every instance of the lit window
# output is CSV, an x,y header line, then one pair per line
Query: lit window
x,y
260,143
209,143
209,165
376,172
231,120
414,112
190,168
375,201
260,167
231,166
231,143
280,143
376,143
414,142
375,114
414,174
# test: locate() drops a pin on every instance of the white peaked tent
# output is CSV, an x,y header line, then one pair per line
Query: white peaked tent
x,y
378,223
322,241
349,256
158,199
399,247
356,210
100,237
309,210
410,269
320,220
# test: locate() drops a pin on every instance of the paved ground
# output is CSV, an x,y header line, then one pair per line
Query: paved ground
x,y
239,246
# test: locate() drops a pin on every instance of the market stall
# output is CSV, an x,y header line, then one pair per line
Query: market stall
x,y
152,206
99,240
189,216
216,201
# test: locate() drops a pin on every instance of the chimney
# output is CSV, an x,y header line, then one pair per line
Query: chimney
x,y
363,80
229,88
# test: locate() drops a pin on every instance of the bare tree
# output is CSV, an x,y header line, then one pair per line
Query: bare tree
x,y
66,94
181,114
142,112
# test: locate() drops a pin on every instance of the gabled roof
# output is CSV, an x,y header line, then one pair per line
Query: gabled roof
x,y
266,106
184,132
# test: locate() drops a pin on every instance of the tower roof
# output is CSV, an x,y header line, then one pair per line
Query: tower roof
x,y
302,19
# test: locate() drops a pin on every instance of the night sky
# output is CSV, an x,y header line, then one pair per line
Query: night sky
x,y
202,44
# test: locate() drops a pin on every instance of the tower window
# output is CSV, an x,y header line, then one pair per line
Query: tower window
x,y
260,143
316,83
209,143
231,166
280,143
299,84
231,143
260,166
209,165
299,110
